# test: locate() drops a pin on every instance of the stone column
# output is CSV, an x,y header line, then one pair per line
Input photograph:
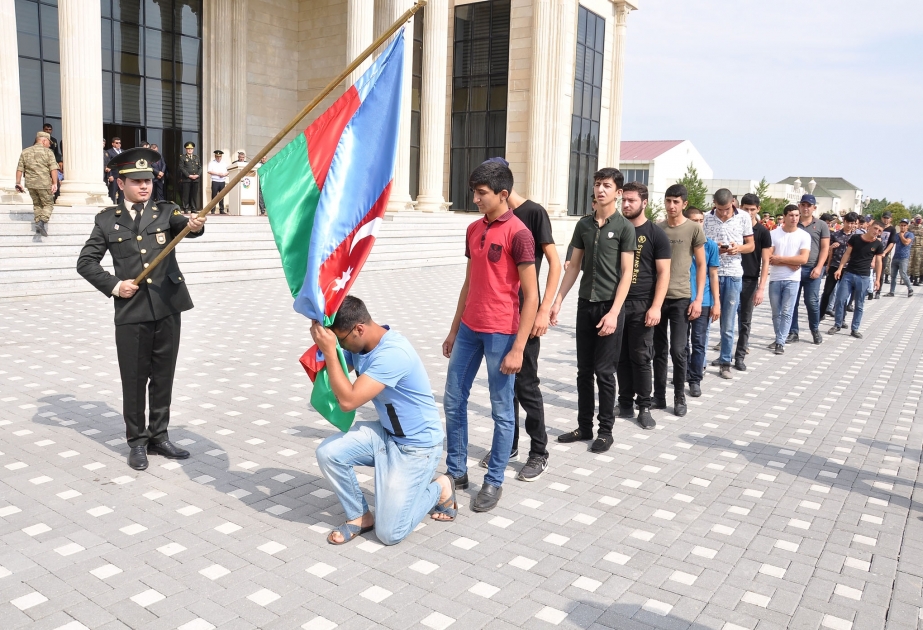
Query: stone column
x,y
238,60
10,114
81,103
618,84
360,20
400,191
541,96
433,106
217,55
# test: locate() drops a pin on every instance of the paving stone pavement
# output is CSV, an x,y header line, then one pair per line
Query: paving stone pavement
x,y
786,498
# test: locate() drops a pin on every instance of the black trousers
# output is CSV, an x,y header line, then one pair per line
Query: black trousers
x,y
634,366
529,397
670,336
189,195
147,361
115,193
828,294
217,187
159,189
745,315
597,357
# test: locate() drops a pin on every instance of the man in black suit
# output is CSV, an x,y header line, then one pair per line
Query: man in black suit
x,y
115,193
147,317
160,176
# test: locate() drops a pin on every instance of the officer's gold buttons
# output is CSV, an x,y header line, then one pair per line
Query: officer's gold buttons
x,y
149,281
158,229
180,278
143,251
120,240
138,237
146,265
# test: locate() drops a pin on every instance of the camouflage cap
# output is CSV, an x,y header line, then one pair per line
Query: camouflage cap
x,y
43,134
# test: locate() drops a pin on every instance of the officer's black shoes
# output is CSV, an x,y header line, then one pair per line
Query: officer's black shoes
x,y
487,498
167,449
137,458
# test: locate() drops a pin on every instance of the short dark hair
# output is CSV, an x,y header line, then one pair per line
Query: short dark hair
x,y
351,313
789,208
637,187
692,211
493,175
115,138
677,190
851,216
47,124
722,197
610,173
750,200
879,223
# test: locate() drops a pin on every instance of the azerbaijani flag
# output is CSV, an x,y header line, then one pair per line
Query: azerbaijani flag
x,y
325,194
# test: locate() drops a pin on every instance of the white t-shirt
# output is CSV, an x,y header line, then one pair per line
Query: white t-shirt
x,y
218,167
787,244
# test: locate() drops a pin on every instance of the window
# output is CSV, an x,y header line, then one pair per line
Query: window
x,y
416,90
480,71
639,175
584,136
39,70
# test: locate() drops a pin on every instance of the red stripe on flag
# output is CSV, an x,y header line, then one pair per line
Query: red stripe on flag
x,y
313,362
339,271
323,135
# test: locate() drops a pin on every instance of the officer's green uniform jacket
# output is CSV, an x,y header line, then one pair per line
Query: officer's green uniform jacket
x,y
163,292
189,165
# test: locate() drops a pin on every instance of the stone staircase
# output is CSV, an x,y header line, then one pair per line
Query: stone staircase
x,y
234,248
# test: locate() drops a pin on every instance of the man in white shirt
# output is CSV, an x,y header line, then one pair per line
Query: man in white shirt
x,y
219,175
791,247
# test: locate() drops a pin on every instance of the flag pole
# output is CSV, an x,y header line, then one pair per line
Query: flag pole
x,y
284,132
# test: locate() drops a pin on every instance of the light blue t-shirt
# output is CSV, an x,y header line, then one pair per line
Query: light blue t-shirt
x,y
712,259
901,251
406,407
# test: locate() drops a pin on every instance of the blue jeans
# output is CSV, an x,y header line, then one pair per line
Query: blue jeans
x,y
404,488
782,297
899,266
811,288
729,292
470,347
698,343
855,287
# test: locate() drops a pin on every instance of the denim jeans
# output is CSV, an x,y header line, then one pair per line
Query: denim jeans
x,y
782,296
811,289
855,287
698,343
470,347
729,291
670,337
404,488
900,266
597,357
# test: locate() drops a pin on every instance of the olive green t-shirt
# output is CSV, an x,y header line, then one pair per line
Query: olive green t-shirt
x,y
684,238
602,254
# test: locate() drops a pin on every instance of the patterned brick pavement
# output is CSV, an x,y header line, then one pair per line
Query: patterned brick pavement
x,y
786,498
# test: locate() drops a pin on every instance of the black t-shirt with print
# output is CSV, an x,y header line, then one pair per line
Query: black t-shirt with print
x,y
862,254
653,245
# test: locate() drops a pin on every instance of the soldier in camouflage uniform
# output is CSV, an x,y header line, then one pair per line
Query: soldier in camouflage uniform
x,y
916,251
190,175
40,168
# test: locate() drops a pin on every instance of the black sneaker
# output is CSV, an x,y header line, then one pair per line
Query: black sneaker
x,y
779,349
877,295
679,405
461,483
850,308
659,403
792,338
514,457
602,444
772,346
695,390
645,419
626,412
889,294
573,436
856,334
909,292
716,363
740,366
535,466
834,330
817,338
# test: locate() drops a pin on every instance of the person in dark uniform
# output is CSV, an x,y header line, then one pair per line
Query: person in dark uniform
x,y
190,173
160,176
115,193
147,317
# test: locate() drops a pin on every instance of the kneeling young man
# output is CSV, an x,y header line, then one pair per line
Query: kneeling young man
x,y
404,446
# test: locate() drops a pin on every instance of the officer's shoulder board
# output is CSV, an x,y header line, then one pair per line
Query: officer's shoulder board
x,y
166,206
108,209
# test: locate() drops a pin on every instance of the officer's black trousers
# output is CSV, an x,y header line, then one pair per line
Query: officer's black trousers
x,y
147,352
190,194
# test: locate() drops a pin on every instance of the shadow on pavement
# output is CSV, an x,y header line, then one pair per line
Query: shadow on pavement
x,y
588,614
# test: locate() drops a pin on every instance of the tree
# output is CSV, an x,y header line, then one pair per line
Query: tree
x,y
762,191
876,207
915,209
695,186
654,212
898,211
773,206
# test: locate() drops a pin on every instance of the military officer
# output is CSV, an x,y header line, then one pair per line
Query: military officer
x,y
147,317
38,165
190,173
916,251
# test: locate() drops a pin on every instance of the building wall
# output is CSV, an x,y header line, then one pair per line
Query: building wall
x,y
671,165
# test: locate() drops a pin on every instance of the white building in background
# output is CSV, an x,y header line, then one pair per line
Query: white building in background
x,y
834,194
741,187
660,163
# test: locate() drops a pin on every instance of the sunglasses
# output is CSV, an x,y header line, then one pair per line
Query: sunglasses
x,y
346,336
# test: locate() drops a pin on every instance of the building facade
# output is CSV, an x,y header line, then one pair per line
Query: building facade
x,y
538,82
658,164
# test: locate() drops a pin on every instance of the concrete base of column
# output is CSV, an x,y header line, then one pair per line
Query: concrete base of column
x,y
431,204
400,204
10,196
83,194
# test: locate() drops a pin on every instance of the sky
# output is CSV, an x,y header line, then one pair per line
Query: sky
x,y
823,88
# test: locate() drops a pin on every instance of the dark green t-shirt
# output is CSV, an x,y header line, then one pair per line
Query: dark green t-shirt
x,y
602,254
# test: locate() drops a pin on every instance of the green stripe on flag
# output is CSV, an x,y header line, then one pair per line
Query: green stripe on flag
x,y
291,195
